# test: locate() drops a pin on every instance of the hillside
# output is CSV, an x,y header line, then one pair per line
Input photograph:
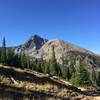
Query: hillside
x,y
37,47
43,68
18,84
65,52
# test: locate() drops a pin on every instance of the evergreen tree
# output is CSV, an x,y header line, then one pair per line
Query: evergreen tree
x,y
98,79
59,70
16,61
65,69
71,69
28,62
65,72
13,59
4,56
93,77
43,63
33,65
38,65
81,76
10,58
47,64
23,59
53,68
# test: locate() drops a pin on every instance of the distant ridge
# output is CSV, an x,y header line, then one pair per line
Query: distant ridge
x,y
36,47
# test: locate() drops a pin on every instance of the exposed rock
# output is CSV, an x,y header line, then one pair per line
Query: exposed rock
x,y
32,46
61,48
37,47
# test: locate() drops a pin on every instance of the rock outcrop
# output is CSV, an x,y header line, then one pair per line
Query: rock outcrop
x,y
37,47
31,47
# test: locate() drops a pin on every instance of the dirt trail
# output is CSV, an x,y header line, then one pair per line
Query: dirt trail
x,y
96,98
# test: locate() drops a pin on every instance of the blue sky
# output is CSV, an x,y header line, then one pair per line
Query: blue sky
x,y
75,21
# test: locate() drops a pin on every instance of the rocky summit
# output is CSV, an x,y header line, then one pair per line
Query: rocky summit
x,y
31,46
37,47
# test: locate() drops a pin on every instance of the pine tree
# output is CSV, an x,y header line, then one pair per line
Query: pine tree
x,y
28,61
33,65
93,78
10,57
65,72
16,59
23,59
53,68
98,79
43,62
13,59
81,76
4,56
65,69
71,69
38,65
47,64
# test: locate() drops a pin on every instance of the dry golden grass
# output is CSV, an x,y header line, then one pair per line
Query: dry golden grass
x,y
17,69
1,78
36,85
47,87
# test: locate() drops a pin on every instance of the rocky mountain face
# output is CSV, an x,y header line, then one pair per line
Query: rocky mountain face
x,y
61,49
31,47
37,47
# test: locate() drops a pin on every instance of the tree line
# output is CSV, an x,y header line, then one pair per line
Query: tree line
x,y
77,75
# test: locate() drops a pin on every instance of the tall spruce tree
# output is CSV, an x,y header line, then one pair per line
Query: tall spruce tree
x,y
10,58
23,59
65,72
93,77
98,79
65,69
47,64
81,76
38,65
53,68
3,55
43,62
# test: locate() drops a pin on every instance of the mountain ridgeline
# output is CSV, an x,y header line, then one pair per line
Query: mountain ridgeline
x,y
37,47
58,58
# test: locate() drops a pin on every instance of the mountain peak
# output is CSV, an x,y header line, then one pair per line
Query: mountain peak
x,y
35,36
33,44
37,47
